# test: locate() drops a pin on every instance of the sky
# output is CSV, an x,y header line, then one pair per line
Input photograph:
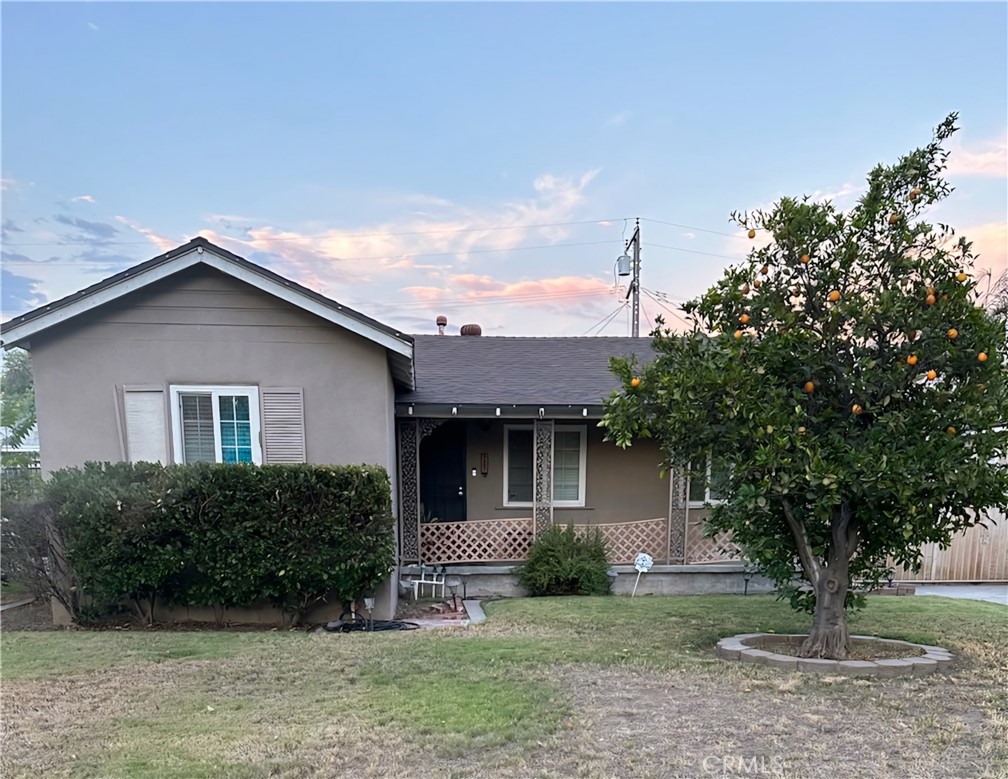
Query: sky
x,y
482,161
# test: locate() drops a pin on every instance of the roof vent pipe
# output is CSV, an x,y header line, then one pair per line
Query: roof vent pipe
x,y
471,330
442,321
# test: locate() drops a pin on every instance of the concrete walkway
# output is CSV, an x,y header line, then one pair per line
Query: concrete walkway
x,y
991,593
15,603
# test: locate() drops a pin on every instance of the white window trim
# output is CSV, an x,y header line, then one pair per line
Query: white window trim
x,y
582,430
707,501
215,390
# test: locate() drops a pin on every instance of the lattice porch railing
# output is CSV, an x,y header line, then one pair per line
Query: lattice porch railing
x,y
624,540
718,549
476,541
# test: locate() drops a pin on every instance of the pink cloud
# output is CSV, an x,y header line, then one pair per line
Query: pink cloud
x,y
163,242
989,158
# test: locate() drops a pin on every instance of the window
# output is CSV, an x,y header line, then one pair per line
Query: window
x,y
569,447
709,490
216,424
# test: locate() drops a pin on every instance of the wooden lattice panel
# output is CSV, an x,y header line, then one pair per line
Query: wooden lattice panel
x,y
478,541
718,549
625,540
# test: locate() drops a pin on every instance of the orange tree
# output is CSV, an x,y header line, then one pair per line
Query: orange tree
x,y
847,380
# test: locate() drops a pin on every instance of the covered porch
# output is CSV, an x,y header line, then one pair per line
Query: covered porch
x,y
477,486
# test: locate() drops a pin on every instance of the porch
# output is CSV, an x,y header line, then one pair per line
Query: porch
x,y
477,492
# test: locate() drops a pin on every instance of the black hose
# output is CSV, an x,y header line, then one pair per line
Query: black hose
x,y
373,625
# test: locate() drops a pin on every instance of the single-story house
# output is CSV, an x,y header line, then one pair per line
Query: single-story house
x,y
199,354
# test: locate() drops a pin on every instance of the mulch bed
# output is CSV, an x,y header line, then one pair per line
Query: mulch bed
x,y
858,650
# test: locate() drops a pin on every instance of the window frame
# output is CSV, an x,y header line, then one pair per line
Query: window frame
x,y
707,499
582,431
216,391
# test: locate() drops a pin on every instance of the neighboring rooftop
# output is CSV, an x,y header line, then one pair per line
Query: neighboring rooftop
x,y
482,370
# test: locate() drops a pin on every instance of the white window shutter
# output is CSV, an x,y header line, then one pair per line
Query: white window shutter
x,y
283,425
146,426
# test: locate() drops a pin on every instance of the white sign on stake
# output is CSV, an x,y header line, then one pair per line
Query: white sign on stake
x,y
642,563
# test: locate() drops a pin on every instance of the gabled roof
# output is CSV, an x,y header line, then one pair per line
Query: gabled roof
x,y
199,250
498,371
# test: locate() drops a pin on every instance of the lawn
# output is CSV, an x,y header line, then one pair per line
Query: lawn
x,y
575,687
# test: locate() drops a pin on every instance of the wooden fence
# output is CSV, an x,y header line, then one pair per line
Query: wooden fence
x,y
978,555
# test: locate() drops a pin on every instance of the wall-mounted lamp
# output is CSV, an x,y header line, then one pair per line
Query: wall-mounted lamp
x,y
498,412
410,411
584,412
542,413
454,410
484,463
473,471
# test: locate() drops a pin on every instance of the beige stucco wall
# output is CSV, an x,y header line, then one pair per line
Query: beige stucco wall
x,y
203,327
621,484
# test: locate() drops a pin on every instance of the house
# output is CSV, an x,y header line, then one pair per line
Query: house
x,y
199,354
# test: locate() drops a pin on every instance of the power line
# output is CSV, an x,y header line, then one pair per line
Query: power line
x,y
669,310
604,321
692,227
691,251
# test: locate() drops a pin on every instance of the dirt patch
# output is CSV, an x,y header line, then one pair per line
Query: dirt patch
x,y
859,650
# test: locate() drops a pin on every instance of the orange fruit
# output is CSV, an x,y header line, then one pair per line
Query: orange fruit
x,y
744,319
805,259
912,359
856,409
765,270
745,289
894,219
737,334
953,333
834,296
950,430
982,357
915,193
801,430
635,382
757,283
961,277
752,234
932,375
809,387
930,300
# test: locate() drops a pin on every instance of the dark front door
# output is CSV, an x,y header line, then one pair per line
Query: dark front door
x,y
443,472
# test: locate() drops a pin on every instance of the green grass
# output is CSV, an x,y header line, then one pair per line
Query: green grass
x,y
488,699
13,591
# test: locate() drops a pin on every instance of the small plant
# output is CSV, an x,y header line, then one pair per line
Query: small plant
x,y
563,563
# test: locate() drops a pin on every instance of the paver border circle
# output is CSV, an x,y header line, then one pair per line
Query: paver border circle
x,y
921,659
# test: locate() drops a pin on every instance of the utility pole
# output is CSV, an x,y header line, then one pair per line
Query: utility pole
x,y
635,283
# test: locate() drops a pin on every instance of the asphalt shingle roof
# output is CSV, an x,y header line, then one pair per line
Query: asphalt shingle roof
x,y
489,370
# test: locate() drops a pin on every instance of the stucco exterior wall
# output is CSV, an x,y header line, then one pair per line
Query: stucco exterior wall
x,y
621,484
203,327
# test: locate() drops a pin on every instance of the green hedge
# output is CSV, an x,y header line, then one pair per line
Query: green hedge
x,y
225,535
561,562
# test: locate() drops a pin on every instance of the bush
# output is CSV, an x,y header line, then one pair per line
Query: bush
x,y
225,535
563,563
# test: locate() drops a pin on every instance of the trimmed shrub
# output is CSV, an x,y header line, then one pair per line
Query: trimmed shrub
x,y
225,535
563,563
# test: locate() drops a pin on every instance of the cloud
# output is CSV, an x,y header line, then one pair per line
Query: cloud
x,y
82,199
471,291
618,119
990,245
92,25
336,258
8,228
988,158
8,184
93,231
20,293
689,235
161,241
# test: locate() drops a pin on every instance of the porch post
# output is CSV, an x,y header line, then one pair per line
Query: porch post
x,y
409,491
677,518
542,473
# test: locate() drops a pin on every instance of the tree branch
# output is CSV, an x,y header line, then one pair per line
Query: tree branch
x,y
808,562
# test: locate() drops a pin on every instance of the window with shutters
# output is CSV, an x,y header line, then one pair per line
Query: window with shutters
x,y
569,452
216,424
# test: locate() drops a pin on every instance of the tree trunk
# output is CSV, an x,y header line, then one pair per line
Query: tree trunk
x,y
828,637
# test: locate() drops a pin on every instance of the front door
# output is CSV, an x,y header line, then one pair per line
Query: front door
x,y
443,473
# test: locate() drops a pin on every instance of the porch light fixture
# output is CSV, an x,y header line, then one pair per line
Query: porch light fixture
x,y
410,411
584,412
454,410
498,412
473,471
542,413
